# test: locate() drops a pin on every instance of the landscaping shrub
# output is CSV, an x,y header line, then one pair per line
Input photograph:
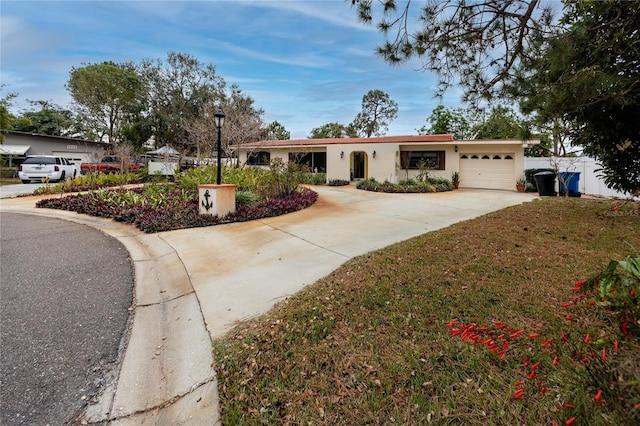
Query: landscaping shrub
x,y
201,175
92,181
427,184
368,184
618,288
315,179
156,211
246,198
441,184
408,182
281,179
245,179
338,182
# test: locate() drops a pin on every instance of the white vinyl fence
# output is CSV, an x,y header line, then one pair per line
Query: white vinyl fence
x,y
589,182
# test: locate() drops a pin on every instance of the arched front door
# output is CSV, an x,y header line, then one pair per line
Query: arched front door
x,y
358,165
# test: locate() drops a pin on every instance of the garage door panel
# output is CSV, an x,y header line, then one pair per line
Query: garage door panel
x,y
495,171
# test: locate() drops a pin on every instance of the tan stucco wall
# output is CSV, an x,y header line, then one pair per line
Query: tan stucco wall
x,y
381,167
386,165
451,162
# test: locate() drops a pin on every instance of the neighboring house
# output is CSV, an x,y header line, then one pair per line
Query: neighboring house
x,y
18,145
490,164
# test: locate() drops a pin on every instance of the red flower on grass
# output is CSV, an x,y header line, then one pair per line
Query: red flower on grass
x,y
598,396
625,328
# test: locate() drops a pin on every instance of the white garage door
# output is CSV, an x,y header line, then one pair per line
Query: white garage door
x,y
489,171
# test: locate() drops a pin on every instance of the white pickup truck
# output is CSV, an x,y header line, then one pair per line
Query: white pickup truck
x,y
46,167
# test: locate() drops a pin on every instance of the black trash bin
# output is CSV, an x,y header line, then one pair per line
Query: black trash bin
x,y
546,182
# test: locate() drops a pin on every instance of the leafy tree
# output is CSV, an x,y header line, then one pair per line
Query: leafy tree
x,y
333,131
584,84
46,118
377,110
458,122
474,44
104,93
501,123
178,89
136,130
277,131
6,118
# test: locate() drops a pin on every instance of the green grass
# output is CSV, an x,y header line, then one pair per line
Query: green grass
x,y
373,342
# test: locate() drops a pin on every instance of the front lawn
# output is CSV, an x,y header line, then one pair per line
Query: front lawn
x,y
484,322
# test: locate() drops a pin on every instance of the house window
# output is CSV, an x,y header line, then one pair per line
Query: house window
x,y
315,161
433,160
259,158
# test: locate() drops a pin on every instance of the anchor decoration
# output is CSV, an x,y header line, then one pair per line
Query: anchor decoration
x,y
205,203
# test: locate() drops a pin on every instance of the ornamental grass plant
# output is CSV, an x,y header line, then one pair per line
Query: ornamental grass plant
x,y
488,321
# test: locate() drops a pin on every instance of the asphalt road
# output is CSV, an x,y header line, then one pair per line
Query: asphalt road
x,y
65,293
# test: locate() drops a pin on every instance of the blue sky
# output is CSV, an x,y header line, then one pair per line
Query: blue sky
x,y
306,63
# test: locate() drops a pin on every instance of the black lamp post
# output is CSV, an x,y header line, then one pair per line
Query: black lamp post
x,y
218,118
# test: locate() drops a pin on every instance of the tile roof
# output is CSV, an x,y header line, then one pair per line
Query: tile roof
x,y
381,140
339,141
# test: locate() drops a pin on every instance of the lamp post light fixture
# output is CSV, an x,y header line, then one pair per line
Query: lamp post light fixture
x,y
218,119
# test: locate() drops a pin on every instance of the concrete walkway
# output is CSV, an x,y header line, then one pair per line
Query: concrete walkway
x,y
193,285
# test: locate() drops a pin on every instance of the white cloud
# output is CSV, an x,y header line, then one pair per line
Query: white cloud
x,y
308,59
334,12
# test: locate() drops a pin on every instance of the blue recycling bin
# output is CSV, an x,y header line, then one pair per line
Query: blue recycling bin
x,y
569,183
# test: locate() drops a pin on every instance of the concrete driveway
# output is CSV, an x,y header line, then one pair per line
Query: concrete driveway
x,y
19,189
244,268
193,285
